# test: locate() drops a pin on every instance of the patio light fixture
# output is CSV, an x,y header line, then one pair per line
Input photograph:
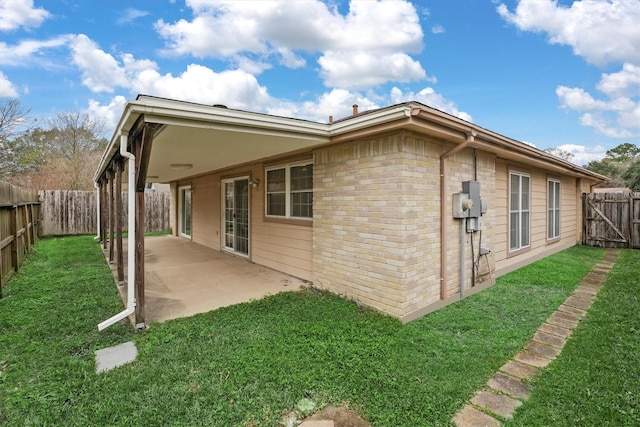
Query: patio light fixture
x,y
181,166
254,182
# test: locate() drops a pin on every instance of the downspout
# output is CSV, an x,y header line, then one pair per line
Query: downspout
x,y
131,244
443,210
97,187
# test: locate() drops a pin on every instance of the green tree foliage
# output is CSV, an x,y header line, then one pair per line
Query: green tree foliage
x,y
632,175
620,164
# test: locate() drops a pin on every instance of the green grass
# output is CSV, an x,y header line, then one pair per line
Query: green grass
x,y
248,364
596,379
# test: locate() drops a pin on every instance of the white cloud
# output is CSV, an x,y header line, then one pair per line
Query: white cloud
x,y
283,30
29,52
7,89
368,69
429,97
437,29
582,154
625,83
101,72
600,31
107,114
20,13
130,14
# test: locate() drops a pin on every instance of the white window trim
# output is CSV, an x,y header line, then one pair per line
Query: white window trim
x,y
520,211
287,179
551,210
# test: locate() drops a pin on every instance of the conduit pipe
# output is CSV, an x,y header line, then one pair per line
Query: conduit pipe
x,y
443,210
131,244
463,238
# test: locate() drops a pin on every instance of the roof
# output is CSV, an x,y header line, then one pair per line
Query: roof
x,y
213,137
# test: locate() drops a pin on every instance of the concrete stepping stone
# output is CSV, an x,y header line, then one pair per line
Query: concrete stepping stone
x,y
112,357
543,350
471,417
519,370
499,404
506,384
573,310
549,339
576,301
555,330
564,323
532,359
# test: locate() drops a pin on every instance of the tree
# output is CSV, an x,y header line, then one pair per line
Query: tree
x,y
616,163
76,139
623,153
559,152
632,176
12,116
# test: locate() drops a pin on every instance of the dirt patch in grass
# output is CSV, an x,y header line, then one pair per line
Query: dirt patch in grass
x,y
341,417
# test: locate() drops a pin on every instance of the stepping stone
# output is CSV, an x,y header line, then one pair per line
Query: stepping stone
x,y
112,357
499,404
555,330
573,310
506,384
532,359
567,316
519,370
549,339
543,350
471,417
323,423
564,323
576,301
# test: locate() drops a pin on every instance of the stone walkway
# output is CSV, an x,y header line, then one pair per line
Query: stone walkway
x,y
505,391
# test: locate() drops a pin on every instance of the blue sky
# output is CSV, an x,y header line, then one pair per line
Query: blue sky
x,y
550,73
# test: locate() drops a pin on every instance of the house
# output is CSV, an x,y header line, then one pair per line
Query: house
x,y
404,209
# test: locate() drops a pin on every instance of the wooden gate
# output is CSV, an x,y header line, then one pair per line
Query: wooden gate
x,y
611,220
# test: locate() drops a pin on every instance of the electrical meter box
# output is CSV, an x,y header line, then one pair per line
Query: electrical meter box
x,y
472,188
460,206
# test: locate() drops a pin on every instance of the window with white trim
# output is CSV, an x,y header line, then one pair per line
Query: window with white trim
x,y
519,211
553,209
289,191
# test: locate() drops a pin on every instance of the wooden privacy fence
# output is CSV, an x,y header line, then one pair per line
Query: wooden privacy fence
x,y
611,220
19,228
74,212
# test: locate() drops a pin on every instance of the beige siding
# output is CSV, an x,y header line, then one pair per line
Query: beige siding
x,y
284,247
540,246
206,201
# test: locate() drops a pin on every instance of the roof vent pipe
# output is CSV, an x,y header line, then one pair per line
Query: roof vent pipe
x,y
355,109
330,120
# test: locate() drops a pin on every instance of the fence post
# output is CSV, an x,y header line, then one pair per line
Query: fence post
x,y
13,229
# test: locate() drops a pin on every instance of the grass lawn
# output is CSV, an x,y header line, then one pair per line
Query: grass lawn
x,y
596,379
249,364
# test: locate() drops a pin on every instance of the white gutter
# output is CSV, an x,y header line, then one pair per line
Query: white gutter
x,y
131,243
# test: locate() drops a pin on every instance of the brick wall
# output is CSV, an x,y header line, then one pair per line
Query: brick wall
x,y
376,222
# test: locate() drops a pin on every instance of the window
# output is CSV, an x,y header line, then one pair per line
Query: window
x,y
519,211
290,191
553,209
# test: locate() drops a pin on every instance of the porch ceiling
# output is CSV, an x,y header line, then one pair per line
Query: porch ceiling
x,y
207,149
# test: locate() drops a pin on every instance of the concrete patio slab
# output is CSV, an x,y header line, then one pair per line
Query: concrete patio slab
x,y
112,357
183,278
